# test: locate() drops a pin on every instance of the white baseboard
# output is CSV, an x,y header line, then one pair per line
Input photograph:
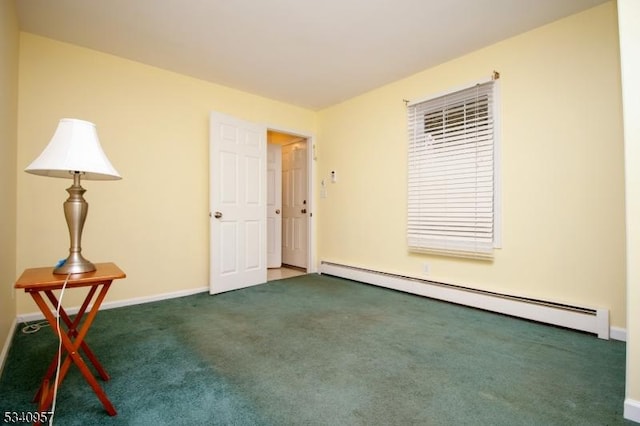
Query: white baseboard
x,y
618,333
7,345
632,410
37,316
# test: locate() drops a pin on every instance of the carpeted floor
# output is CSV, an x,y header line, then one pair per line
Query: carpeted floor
x,y
319,350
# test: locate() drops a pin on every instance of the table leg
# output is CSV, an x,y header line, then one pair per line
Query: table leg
x,y
45,381
71,348
72,332
72,328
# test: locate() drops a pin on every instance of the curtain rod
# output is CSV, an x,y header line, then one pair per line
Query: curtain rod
x,y
495,75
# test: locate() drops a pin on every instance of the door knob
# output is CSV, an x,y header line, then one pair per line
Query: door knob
x,y
217,215
277,211
303,211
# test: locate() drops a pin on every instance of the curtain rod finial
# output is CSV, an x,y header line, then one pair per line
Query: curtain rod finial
x,y
495,75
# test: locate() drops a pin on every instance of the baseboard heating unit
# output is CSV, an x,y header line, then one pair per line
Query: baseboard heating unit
x,y
589,320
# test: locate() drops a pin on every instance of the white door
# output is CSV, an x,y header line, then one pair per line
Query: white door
x,y
274,206
238,238
295,204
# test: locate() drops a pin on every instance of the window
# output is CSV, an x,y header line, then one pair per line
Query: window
x,y
452,180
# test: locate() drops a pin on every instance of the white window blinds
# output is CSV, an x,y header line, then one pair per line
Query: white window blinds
x,y
451,181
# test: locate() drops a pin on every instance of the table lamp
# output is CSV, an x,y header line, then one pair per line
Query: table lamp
x,y
74,152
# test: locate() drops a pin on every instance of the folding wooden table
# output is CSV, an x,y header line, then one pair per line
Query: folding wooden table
x,y
42,281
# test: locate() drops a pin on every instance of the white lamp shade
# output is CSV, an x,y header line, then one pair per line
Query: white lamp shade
x,y
75,147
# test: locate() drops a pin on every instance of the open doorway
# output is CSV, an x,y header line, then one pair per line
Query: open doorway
x,y
238,184
288,205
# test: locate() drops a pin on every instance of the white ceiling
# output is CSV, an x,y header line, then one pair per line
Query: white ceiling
x,y
308,53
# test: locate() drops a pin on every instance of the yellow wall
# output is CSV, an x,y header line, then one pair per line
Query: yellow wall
x,y
9,41
278,138
153,126
562,168
629,18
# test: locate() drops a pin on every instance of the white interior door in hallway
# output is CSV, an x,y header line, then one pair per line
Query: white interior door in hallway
x,y
295,204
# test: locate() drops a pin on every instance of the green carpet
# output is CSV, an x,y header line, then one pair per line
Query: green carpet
x,y
319,350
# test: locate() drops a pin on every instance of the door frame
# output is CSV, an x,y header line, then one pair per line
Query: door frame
x,y
312,267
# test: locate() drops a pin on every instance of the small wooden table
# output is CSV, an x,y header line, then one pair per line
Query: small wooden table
x,y
39,281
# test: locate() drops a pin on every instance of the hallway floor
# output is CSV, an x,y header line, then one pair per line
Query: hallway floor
x,y
283,272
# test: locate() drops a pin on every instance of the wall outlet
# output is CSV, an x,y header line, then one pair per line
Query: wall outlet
x,y
426,268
